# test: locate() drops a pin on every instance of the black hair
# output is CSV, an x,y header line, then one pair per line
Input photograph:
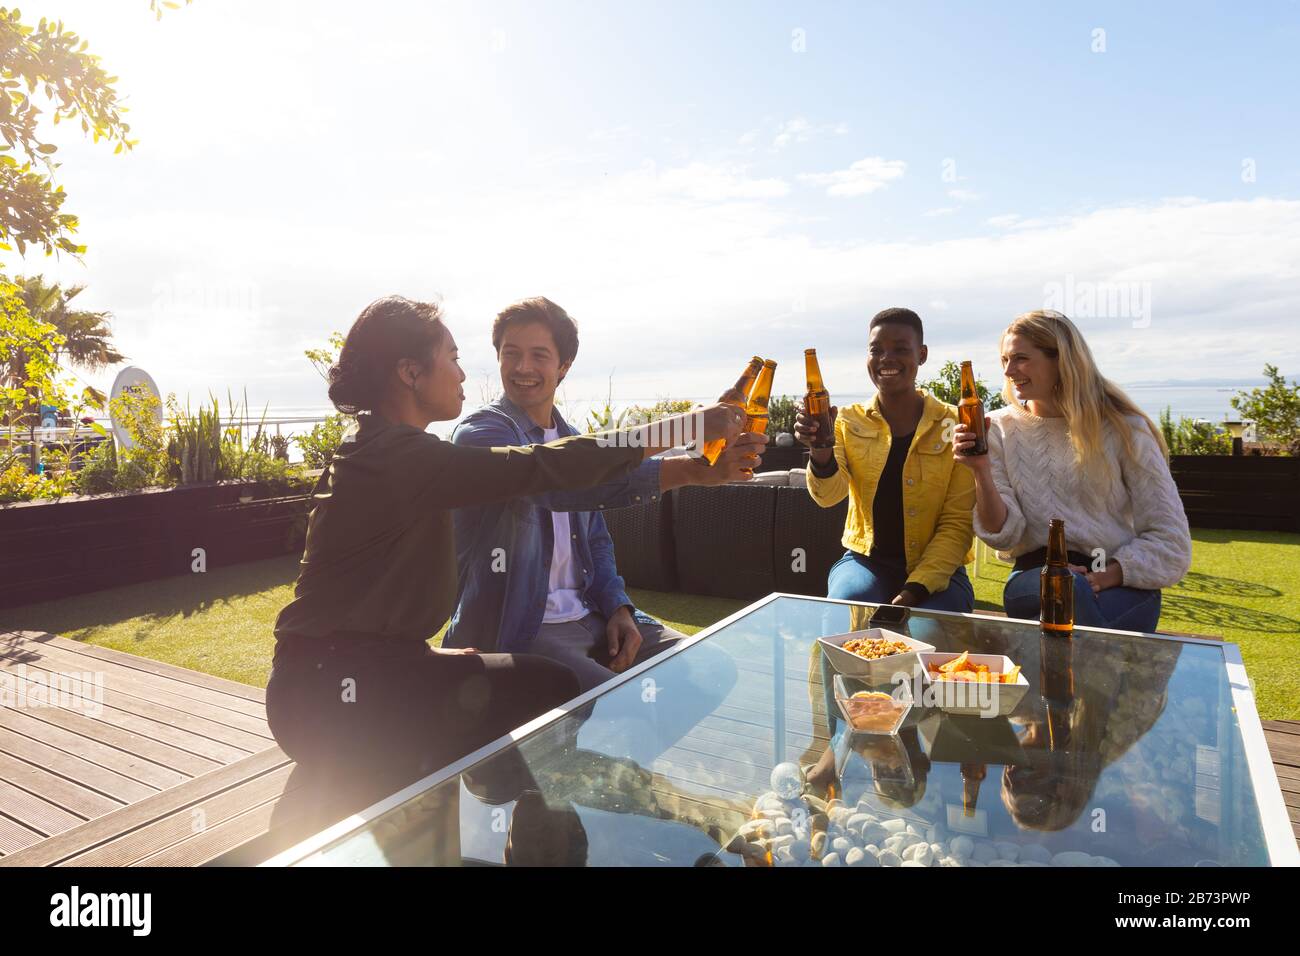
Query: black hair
x,y
897,316
387,330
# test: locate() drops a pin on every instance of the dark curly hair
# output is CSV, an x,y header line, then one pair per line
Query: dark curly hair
x,y
387,330
539,309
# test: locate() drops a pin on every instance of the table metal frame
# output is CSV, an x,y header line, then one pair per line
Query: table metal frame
x,y
1274,820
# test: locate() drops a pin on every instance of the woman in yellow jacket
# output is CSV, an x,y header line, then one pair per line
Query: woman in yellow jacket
x,y
909,528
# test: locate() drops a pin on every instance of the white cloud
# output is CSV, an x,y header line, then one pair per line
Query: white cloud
x,y
863,177
800,130
716,183
965,195
671,269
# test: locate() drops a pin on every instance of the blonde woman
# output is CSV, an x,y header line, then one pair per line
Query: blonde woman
x,y
1072,445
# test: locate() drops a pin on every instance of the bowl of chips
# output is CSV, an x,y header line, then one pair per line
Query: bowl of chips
x,y
871,711
988,685
874,655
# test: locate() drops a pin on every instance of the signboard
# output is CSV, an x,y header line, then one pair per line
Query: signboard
x,y
133,381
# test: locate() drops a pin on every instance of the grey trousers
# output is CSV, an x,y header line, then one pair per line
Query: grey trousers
x,y
581,646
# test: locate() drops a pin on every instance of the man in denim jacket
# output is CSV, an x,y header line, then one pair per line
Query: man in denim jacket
x,y
537,575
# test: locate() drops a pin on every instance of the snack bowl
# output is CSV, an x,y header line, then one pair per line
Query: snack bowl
x,y
986,699
880,670
869,711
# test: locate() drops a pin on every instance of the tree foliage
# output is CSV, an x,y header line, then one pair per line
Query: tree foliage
x,y
946,387
1188,436
47,65
1275,410
87,336
28,346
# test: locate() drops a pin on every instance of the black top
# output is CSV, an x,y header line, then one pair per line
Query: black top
x,y
887,506
380,557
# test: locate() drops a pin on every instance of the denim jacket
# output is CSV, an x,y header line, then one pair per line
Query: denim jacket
x,y
503,551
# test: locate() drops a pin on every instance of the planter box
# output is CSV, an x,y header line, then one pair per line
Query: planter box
x,y
55,549
1247,492
723,540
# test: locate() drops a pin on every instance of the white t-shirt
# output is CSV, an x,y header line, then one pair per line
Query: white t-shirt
x,y
564,590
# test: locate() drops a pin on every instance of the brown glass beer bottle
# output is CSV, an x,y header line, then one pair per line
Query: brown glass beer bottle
x,y
759,395
1056,586
817,402
971,412
972,775
1056,670
737,395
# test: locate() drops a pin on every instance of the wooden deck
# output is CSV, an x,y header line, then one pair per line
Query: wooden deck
x,y
158,765
171,767
1283,738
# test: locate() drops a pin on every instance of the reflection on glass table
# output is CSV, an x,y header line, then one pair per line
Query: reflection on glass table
x,y
1126,749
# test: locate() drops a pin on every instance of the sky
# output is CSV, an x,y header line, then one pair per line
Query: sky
x,y
693,183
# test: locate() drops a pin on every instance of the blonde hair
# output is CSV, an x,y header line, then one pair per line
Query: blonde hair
x,y
1086,398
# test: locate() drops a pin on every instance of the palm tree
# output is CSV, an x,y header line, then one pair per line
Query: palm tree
x,y
87,336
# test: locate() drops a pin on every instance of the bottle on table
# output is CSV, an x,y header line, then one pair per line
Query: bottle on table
x,y
737,395
817,402
971,412
1056,584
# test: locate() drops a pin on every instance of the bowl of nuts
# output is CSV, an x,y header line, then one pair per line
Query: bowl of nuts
x,y
874,655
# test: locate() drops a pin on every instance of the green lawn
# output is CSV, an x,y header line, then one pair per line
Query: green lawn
x,y
1244,587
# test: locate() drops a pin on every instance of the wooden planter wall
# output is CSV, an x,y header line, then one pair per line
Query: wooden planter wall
x,y
55,549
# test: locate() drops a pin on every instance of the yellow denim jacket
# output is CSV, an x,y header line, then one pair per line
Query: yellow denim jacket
x,y
938,493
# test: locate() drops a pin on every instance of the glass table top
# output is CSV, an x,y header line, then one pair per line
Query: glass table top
x,y
1125,749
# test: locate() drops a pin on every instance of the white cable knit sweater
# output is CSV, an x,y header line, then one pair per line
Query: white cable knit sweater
x,y
1139,521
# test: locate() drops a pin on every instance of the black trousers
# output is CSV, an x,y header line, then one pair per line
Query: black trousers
x,y
366,718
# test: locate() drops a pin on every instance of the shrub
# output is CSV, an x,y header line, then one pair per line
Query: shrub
x,y
98,474
946,387
660,409
146,464
18,484
320,444
780,415
1191,437
278,475
1275,410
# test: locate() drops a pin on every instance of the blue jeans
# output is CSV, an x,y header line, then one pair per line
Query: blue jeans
x,y
1120,608
856,577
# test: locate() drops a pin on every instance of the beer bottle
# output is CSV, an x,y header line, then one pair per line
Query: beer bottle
x,y
737,395
971,411
1056,671
972,775
817,402
1056,586
756,407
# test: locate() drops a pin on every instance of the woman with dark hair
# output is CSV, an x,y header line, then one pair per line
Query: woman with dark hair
x,y
355,687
